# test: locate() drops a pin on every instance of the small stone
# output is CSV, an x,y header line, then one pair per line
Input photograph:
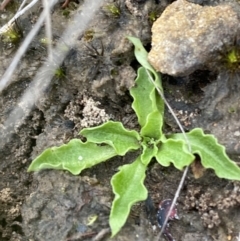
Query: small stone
x,y
187,36
236,133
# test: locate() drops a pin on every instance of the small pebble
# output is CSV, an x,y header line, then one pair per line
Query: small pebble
x,y
187,36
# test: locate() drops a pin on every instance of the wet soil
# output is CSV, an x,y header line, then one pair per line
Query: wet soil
x,y
92,87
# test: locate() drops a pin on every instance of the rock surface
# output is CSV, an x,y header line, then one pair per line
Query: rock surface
x,y
187,35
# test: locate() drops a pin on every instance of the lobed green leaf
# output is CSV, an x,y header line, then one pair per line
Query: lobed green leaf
x,y
176,152
146,106
153,126
128,188
115,135
142,104
73,157
141,55
149,150
212,154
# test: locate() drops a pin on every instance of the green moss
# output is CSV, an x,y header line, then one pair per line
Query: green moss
x,y
45,41
152,16
233,56
113,10
114,72
88,35
66,12
59,73
232,110
12,35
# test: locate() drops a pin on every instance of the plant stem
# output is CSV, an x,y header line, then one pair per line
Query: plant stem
x,y
170,109
189,148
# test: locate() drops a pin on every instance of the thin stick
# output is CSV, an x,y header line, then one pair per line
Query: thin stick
x,y
48,28
6,78
22,4
170,109
21,51
177,193
17,15
38,84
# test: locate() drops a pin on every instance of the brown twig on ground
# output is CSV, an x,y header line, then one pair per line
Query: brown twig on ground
x,y
4,4
65,4
102,234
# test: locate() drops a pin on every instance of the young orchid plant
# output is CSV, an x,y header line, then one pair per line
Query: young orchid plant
x,y
112,138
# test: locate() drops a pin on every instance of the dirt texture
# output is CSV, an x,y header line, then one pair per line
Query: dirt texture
x,y
90,87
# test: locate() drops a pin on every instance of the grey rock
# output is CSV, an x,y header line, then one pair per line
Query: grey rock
x,y
187,36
